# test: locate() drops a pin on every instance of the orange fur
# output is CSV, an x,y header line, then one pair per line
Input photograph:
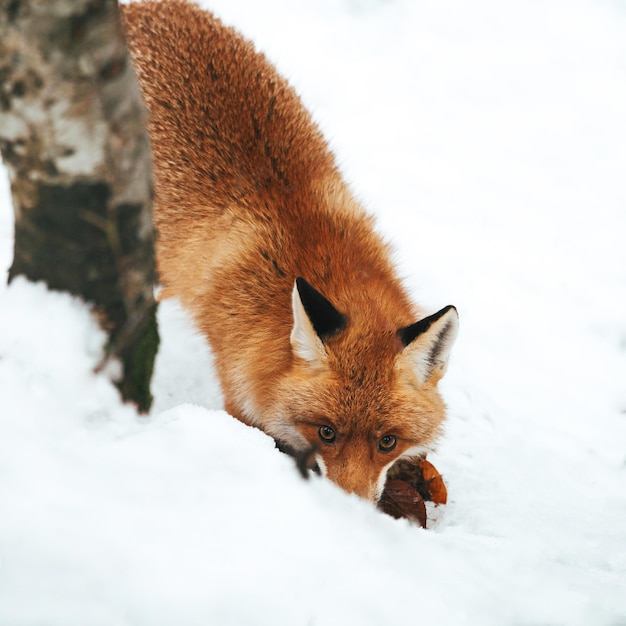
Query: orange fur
x,y
247,198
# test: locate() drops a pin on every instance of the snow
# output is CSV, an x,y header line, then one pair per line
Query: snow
x,y
489,139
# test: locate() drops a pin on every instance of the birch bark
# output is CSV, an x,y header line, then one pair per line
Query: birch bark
x,y
72,135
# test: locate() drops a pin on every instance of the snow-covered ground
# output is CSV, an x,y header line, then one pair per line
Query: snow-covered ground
x,y
490,139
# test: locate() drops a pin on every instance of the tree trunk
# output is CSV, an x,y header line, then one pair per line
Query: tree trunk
x,y
73,137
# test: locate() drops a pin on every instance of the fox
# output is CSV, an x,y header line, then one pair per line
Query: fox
x,y
315,340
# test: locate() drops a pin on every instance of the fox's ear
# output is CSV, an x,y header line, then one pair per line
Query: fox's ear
x,y
428,343
314,320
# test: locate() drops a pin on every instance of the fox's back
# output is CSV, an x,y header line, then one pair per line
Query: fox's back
x,y
240,167
234,128
230,135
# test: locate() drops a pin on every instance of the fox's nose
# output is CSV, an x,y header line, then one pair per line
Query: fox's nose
x,y
368,493
354,471
363,489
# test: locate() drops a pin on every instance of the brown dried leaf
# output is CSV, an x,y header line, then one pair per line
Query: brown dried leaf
x,y
421,475
434,483
400,499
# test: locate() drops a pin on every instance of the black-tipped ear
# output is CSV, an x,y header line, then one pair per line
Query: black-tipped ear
x,y
409,333
324,317
428,342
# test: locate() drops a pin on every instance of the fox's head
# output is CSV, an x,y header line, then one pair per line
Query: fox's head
x,y
360,394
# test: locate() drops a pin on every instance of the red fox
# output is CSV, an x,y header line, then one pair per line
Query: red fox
x,y
315,340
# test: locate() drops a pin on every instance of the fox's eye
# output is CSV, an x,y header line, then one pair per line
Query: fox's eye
x,y
327,434
387,443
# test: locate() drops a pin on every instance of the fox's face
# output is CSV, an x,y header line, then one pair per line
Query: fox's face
x,y
361,397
